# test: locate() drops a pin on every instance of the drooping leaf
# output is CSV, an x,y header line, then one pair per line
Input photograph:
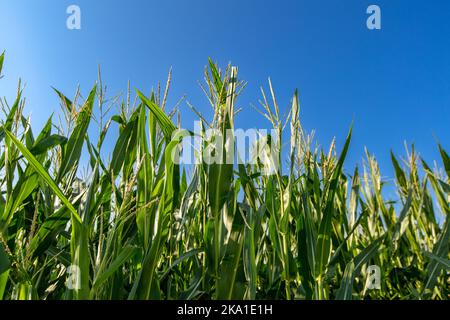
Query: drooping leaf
x,y
44,175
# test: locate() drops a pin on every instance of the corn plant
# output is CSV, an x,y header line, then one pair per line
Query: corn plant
x,y
139,225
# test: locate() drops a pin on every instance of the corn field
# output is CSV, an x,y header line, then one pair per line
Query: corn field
x,y
141,226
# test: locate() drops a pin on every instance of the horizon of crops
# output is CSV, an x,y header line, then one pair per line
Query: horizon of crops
x,y
141,226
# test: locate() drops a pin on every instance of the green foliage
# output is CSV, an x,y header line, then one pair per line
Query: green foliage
x,y
143,227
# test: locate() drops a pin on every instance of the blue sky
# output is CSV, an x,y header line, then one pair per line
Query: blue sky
x,y
393,83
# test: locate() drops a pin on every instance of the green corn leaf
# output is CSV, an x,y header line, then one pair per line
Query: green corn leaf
x,y
3,282
183,257
26,184
446,160
445,263
399,173
445,186
126,253
231,267
72,150
442,200
164,122
80,259
145,284
44,175
2,58
440,250
4,260
12,112
220,86
323,249
48,232
353,268
144,216
122,146
65,101
220,173
346,289
47,143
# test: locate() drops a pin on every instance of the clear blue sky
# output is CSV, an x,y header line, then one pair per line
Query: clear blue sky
x,y
394,83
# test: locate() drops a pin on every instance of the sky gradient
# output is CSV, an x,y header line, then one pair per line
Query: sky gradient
x,y
393,83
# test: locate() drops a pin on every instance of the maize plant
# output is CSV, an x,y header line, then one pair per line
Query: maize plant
x,y
140,225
